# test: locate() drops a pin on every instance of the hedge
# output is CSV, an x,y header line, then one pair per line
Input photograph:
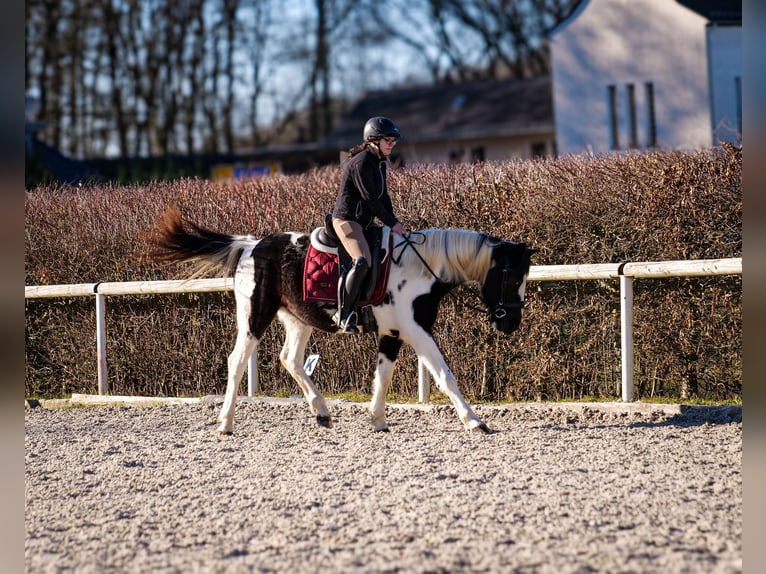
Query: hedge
x,y
652,206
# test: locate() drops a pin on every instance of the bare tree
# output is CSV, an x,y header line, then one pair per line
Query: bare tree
x,y
194,73
330,16
149,77
229,23
255,33
43,18
114,48
510,35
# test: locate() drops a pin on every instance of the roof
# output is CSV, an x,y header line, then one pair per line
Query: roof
x,y
455,111
718,11
65,169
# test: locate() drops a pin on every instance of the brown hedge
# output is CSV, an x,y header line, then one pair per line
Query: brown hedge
x,y
577,209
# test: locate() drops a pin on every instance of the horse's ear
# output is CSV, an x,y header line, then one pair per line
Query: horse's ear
x,y
527,249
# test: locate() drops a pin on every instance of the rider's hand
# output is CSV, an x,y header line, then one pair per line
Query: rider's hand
x,y
399,228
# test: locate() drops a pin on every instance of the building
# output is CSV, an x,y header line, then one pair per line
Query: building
x,y
647,73
459,122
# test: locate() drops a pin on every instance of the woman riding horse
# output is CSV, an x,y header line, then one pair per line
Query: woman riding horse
x,y
362,197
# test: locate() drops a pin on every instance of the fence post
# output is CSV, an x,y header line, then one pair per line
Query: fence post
x,y
626,336
103,385
424,383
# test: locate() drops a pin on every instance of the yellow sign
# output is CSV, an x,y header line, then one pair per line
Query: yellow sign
x,y
242,171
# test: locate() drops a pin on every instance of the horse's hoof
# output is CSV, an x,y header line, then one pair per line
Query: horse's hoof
x,y
225,432
483,428
383,429
325,422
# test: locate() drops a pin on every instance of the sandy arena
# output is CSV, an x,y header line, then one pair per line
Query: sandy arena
x,y
558,489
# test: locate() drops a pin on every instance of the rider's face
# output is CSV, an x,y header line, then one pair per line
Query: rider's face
x,y
386,145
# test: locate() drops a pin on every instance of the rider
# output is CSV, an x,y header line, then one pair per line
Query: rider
x,y
362,197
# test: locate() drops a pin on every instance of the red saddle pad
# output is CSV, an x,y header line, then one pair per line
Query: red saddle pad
x,y
320,278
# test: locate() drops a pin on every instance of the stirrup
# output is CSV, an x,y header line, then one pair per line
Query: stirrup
x,y
349,324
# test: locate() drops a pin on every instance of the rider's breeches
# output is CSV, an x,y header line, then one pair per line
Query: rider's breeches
x,y
351,236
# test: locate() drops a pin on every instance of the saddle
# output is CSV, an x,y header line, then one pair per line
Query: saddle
x,y
326,257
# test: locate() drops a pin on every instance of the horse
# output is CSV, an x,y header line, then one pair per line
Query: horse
x,y
426,266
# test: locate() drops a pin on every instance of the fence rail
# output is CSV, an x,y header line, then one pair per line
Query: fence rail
x,y
625,272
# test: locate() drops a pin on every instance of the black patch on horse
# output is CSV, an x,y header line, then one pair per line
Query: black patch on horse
x,y
426,307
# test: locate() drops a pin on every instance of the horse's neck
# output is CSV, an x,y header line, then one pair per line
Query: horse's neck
x,y
456,255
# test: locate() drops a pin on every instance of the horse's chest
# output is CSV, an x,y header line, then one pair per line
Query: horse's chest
x,y
413,295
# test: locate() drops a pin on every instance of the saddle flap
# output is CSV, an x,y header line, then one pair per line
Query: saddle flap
x,y
320,275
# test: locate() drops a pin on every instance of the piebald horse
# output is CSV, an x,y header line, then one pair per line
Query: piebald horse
x,y
426,266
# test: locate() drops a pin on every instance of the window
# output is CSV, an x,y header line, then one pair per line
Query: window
x,y
651,120
538,149
477,154
630,122
632,116
613,120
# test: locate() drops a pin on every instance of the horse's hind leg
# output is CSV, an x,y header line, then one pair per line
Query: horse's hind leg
x,y
250,328
388,351
292,358
237,362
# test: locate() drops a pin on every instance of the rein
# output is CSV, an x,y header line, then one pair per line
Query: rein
x,y
407,242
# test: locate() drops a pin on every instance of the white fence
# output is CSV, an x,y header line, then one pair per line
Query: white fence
x,y
625,272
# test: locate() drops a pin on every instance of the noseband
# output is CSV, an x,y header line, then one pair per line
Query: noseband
x,y
501,308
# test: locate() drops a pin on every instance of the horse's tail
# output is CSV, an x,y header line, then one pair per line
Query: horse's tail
x,y
177,239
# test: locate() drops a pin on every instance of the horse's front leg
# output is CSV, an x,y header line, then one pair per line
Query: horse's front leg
x,y
426,349
388,350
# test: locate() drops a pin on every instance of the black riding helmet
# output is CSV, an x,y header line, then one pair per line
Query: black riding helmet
x,y
380,127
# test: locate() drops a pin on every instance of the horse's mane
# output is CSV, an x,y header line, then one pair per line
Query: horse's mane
x,y
455,255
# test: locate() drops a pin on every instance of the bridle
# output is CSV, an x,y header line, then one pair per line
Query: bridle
x,y
498,311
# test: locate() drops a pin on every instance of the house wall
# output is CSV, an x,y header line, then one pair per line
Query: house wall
x,y
656,46
494,149
724,45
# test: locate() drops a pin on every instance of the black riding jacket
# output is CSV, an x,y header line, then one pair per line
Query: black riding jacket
x,y
363,194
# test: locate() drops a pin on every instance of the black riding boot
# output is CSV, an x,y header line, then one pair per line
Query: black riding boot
x,y
349,288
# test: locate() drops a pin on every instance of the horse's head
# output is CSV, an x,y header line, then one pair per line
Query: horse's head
x,y
503,289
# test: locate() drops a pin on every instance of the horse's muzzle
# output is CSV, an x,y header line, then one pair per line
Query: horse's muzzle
x,y
508,322
506,317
